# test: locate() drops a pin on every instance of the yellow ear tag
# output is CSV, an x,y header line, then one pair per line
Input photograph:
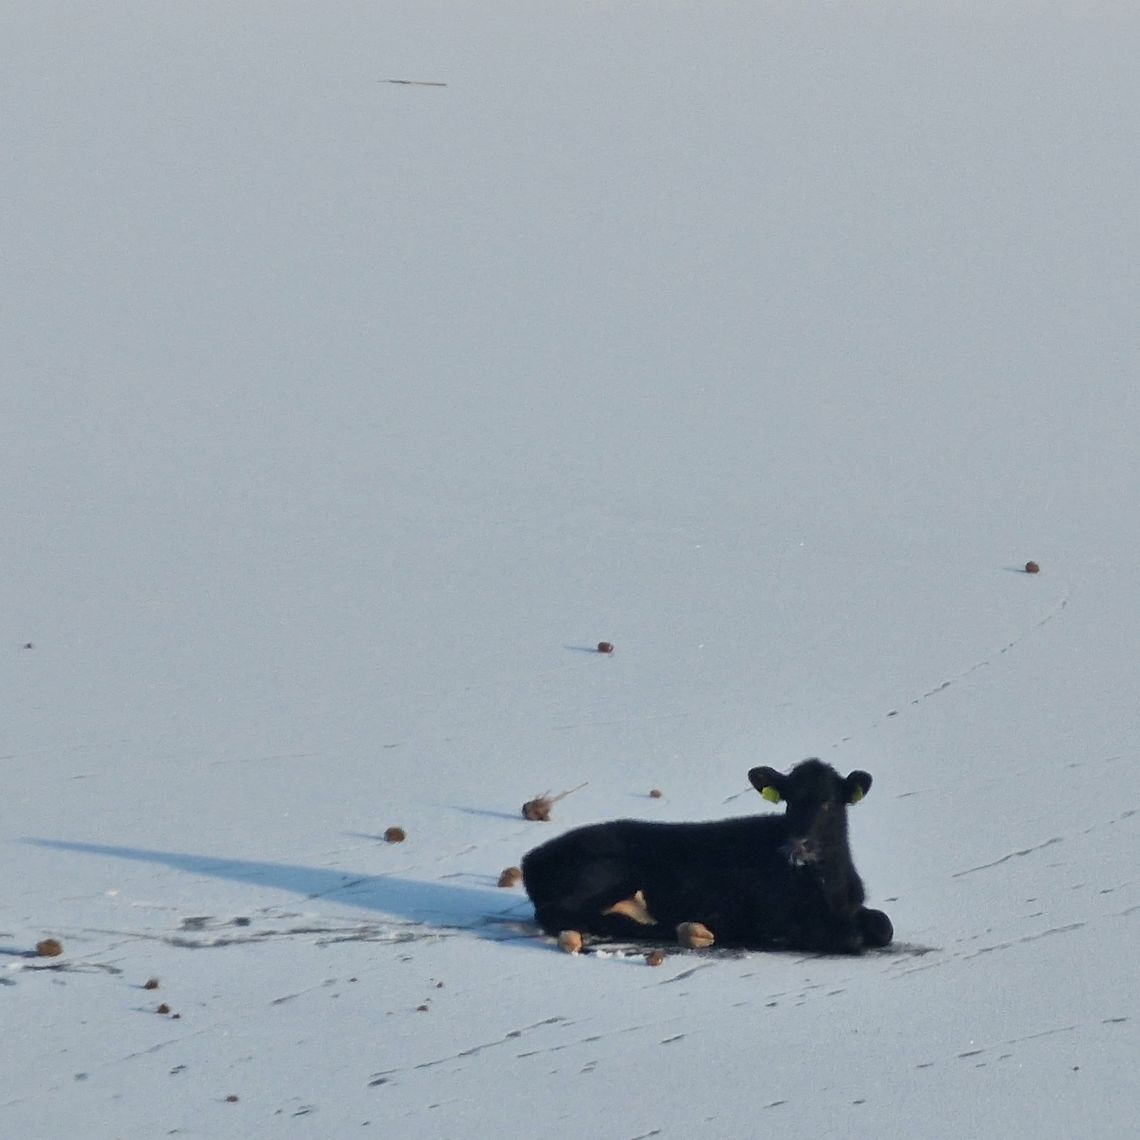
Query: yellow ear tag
x,y
856,796
770,794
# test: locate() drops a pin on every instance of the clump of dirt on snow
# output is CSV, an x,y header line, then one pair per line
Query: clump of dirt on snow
x,y
511,877
538,809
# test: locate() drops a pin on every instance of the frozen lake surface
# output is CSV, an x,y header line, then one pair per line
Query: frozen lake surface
x,y
342,418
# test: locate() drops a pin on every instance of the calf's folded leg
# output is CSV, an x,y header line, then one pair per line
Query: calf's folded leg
x,y
876,927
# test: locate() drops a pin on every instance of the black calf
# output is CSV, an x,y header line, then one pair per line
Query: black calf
x,y
760,882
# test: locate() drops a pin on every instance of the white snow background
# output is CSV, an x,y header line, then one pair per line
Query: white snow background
x,y
342,418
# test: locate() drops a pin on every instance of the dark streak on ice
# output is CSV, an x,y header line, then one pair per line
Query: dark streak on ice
x,y
1006,858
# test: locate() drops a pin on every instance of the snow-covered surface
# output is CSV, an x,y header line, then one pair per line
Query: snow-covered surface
x,y
340,420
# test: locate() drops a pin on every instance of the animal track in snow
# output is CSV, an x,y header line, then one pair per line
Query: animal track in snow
x,y
984,663
991,1051
1009,944
1012,855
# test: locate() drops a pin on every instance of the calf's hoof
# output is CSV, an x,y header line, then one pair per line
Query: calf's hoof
x,y
570,941
695,936
876,927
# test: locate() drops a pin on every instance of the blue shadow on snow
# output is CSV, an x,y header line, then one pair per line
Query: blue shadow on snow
x,y
434,904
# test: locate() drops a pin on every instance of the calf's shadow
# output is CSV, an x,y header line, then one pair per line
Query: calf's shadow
x,y
433,905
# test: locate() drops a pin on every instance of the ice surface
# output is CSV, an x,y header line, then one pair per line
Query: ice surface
x,y
341,419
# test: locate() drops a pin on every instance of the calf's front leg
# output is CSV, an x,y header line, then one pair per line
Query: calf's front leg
x,y
876,927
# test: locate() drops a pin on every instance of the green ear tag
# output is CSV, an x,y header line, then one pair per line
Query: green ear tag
x,y
856,796
770,794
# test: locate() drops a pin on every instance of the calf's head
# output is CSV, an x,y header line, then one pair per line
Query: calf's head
x,y
817,797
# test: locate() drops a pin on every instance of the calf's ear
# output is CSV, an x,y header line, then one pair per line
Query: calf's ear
x,y
857,784
768,782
